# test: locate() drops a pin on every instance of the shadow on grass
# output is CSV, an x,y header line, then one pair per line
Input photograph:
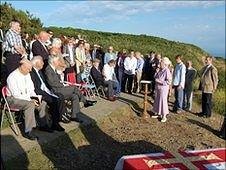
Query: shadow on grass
x,y
132,104
104,151
98,150
8,142
207,127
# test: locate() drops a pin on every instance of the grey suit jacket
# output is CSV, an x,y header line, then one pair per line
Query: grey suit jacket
x,y
66,51
189,78
209,79
53,79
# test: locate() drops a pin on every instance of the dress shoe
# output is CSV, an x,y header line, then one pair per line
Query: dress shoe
x,y
31,136
65,121
111,99
57,127
179,111
76,120
46,129
94,102
201,114
89,103
206,116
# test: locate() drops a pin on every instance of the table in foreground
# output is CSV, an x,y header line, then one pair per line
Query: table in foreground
x,y
183,160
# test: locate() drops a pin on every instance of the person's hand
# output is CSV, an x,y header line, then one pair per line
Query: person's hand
x,y
157,69
72,64
179,87
158,81
35,102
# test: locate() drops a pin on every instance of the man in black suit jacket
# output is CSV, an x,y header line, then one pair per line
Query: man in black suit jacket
x,y
96,74
69,92
54,101
39,47
99,80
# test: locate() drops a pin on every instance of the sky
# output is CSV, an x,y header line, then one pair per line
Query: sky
x,y
198,22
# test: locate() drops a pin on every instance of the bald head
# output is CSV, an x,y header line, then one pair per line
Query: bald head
x,y
189,64
43,36
25,66
37,62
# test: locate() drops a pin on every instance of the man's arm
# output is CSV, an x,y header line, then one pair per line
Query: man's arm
x,y
52,79
182,78
215,78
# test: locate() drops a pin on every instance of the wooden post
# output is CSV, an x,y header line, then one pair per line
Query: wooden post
x,y
145,114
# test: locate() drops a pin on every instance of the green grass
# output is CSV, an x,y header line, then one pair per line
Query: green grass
x,y
218,101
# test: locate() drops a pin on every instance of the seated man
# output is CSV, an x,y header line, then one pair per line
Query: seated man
x,y
22,91
69,92
110,80
96,73
55,101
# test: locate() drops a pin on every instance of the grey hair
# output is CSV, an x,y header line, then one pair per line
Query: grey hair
x,y
166,61
53,58
35,59
56,42
12,23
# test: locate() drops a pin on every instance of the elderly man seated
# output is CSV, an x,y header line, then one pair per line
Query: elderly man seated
x,y
55,102
23,96
69,92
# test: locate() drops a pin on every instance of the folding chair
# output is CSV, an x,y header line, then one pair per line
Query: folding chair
x,y
71,81
89,85
8,111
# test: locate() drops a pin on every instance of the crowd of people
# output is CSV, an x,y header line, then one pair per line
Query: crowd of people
x,y
37,70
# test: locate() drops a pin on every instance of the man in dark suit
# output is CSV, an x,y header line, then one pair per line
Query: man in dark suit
x,y
54,101
96,73
39,47
188,88
69,92
154,65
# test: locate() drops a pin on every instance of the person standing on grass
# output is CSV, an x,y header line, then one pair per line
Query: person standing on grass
x,y
13,47
130,65
178,84
138,73
110,55
188,89
208,84
162,82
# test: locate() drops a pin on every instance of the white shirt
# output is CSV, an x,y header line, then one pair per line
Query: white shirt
x,y
21,86
71,55
130,65
108,72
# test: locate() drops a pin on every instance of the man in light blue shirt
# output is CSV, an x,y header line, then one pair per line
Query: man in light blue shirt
x,y
109,55
178,84
138,74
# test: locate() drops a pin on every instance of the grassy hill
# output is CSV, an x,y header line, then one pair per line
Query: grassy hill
x,y
145,44
142,43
